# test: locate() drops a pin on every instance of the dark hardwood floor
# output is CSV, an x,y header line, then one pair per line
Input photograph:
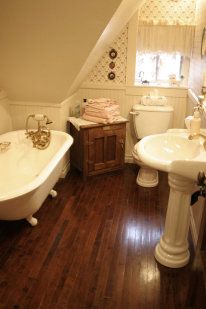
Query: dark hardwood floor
x,y
93,248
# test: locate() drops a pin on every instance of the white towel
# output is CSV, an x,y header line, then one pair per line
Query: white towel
x,y
151,100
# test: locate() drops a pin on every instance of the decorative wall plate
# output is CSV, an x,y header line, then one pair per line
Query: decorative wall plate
x,y
111,75
113,53
112,65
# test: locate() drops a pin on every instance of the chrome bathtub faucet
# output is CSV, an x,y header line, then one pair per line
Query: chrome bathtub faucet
x,y
42,136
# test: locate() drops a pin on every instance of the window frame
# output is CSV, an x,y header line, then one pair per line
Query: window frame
x,y
156,67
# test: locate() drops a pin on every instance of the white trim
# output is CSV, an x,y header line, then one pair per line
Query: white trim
x,y
131,49
179,92
103,86
42,104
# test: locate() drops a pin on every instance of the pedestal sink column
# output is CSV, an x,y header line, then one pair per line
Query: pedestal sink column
x,y
172,250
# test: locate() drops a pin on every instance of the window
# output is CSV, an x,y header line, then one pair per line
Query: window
x,y
156,51
158,68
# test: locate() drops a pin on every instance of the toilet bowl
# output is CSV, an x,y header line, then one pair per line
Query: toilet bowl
x,y
146,177
149,120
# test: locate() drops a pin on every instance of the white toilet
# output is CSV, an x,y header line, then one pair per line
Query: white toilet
x,y
149,120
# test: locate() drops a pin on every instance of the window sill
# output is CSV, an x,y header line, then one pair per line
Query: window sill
x,y
164,86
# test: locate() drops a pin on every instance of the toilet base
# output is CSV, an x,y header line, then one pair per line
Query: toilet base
x,y
147,177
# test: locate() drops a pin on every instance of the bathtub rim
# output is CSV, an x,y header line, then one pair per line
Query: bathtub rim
x,y
44,174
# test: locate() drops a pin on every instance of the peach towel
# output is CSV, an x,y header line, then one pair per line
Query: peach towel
x,y
102,110
102,120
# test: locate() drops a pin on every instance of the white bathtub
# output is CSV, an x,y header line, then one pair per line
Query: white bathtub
x,y
28,174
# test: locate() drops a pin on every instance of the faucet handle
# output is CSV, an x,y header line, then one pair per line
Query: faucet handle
x,y
48,121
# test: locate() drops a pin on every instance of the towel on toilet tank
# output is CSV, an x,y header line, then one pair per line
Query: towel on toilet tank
x,y
153,100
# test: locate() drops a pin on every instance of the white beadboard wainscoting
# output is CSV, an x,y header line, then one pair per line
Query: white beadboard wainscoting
x,y
127,96
58,113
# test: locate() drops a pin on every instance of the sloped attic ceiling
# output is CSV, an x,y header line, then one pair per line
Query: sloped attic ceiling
x,y
45,43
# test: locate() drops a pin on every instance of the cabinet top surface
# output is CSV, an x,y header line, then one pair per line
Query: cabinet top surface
x,y
82,124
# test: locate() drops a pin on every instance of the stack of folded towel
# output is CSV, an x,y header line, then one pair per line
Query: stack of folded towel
x,y
102,110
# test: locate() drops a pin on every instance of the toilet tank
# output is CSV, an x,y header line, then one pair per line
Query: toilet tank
x,y
150,119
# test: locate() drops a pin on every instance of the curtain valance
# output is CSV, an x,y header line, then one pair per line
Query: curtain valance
x,y
165,38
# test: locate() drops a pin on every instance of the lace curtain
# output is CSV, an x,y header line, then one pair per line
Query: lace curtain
x,y
165,38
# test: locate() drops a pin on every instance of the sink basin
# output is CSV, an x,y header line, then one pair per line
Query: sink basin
x,y
173,153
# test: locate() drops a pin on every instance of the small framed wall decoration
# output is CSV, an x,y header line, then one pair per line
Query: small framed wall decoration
x,y
112,65
111,75
113,53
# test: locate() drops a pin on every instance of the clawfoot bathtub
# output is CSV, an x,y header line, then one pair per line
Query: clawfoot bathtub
x,y
27,174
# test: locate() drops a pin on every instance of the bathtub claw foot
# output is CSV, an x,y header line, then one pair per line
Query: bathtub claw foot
x,y
53,193
33,221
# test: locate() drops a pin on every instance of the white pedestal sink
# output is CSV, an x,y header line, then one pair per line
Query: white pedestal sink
x,y
182,159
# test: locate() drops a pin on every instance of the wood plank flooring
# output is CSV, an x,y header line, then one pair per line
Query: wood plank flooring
x,y
93,248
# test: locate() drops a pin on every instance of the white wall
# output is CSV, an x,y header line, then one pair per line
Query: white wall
x,y
44,44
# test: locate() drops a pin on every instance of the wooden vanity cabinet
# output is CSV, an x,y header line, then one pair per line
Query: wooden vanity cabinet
x,y
98,148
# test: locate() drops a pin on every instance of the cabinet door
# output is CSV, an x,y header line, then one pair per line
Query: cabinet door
x,y
96,149
114,146
106,147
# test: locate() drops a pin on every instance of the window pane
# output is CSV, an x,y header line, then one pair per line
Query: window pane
x,y
145,67
155,67
168,64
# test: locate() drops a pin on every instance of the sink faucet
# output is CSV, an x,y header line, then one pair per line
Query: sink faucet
x,y
193,123
197,135
42,136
